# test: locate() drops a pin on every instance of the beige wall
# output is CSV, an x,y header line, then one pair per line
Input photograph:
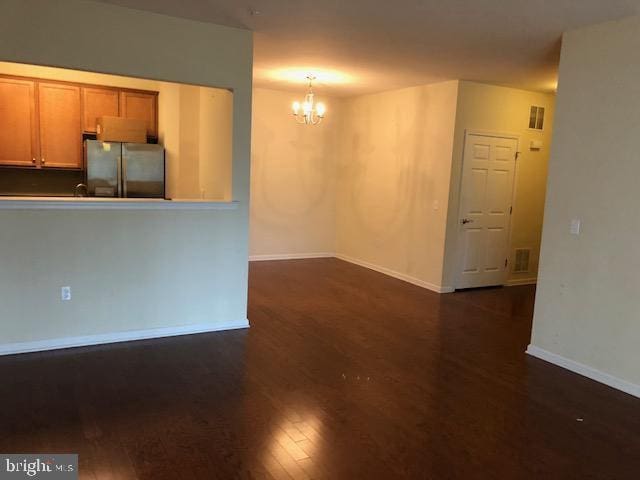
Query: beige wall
x,y
504,110
587,303
129,270
216,134
68,75
292,177
188,181
169,134
380,184
199,131
393,179
194,125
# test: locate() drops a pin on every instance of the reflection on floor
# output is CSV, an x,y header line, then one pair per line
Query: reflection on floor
x,y
345,374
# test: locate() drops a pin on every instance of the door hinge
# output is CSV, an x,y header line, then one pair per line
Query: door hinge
x,y
506,262
518,155
510,210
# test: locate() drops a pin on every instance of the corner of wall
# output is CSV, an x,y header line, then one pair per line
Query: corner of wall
x,y
448,260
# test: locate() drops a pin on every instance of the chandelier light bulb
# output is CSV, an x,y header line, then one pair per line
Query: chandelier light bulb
x,y
320,109
296,107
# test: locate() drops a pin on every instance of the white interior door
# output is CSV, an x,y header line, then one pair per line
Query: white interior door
x,y
485,210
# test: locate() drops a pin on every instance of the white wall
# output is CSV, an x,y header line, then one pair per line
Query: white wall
x,y
292,177
393,180
504,110
587,304
129,270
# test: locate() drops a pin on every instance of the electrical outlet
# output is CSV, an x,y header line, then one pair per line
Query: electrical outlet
x,y
65,293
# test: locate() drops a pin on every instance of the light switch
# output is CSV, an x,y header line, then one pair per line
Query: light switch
x,y
574,227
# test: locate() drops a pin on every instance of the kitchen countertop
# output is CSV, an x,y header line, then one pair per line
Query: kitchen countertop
x,y
98,203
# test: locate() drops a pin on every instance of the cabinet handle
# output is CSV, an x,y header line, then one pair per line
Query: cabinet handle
x,y
42,161
33,160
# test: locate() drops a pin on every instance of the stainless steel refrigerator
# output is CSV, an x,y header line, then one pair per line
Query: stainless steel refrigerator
x,y
132,170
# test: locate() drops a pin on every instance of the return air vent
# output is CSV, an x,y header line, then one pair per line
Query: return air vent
x,y
521,263
536,118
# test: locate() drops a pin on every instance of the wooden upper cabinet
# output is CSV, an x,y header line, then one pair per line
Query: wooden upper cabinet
x,y
142,106
98,102
18,123
42,121
60,125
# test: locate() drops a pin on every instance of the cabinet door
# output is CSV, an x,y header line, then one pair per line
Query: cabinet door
x,y
98,102
60,125
143,106
18,123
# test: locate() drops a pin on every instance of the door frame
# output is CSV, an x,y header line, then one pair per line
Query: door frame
x,y
485,133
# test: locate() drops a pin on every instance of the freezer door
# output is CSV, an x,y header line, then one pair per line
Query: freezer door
x,y
103,168
142,170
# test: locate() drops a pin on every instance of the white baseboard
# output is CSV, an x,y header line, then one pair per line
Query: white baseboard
x,y
521,281
104,338
289,256
585,370
398,275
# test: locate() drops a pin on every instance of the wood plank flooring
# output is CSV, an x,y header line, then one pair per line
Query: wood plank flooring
x,y
344,374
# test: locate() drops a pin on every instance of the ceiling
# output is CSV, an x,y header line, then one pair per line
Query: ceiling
x,y
362,46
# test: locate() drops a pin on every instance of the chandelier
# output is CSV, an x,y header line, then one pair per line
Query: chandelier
x,y
309,113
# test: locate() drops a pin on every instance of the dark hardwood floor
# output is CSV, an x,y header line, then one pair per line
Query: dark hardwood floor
x,y
345,374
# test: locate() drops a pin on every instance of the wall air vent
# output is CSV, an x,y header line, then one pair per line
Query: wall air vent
x,y
521,264
536,118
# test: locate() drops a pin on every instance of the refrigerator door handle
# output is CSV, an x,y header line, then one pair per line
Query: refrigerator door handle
x,y
124,175
119,180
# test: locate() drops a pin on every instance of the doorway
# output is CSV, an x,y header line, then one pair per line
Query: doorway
x,y
486,197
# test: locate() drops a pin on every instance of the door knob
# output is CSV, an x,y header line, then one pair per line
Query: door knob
x,y
464,221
